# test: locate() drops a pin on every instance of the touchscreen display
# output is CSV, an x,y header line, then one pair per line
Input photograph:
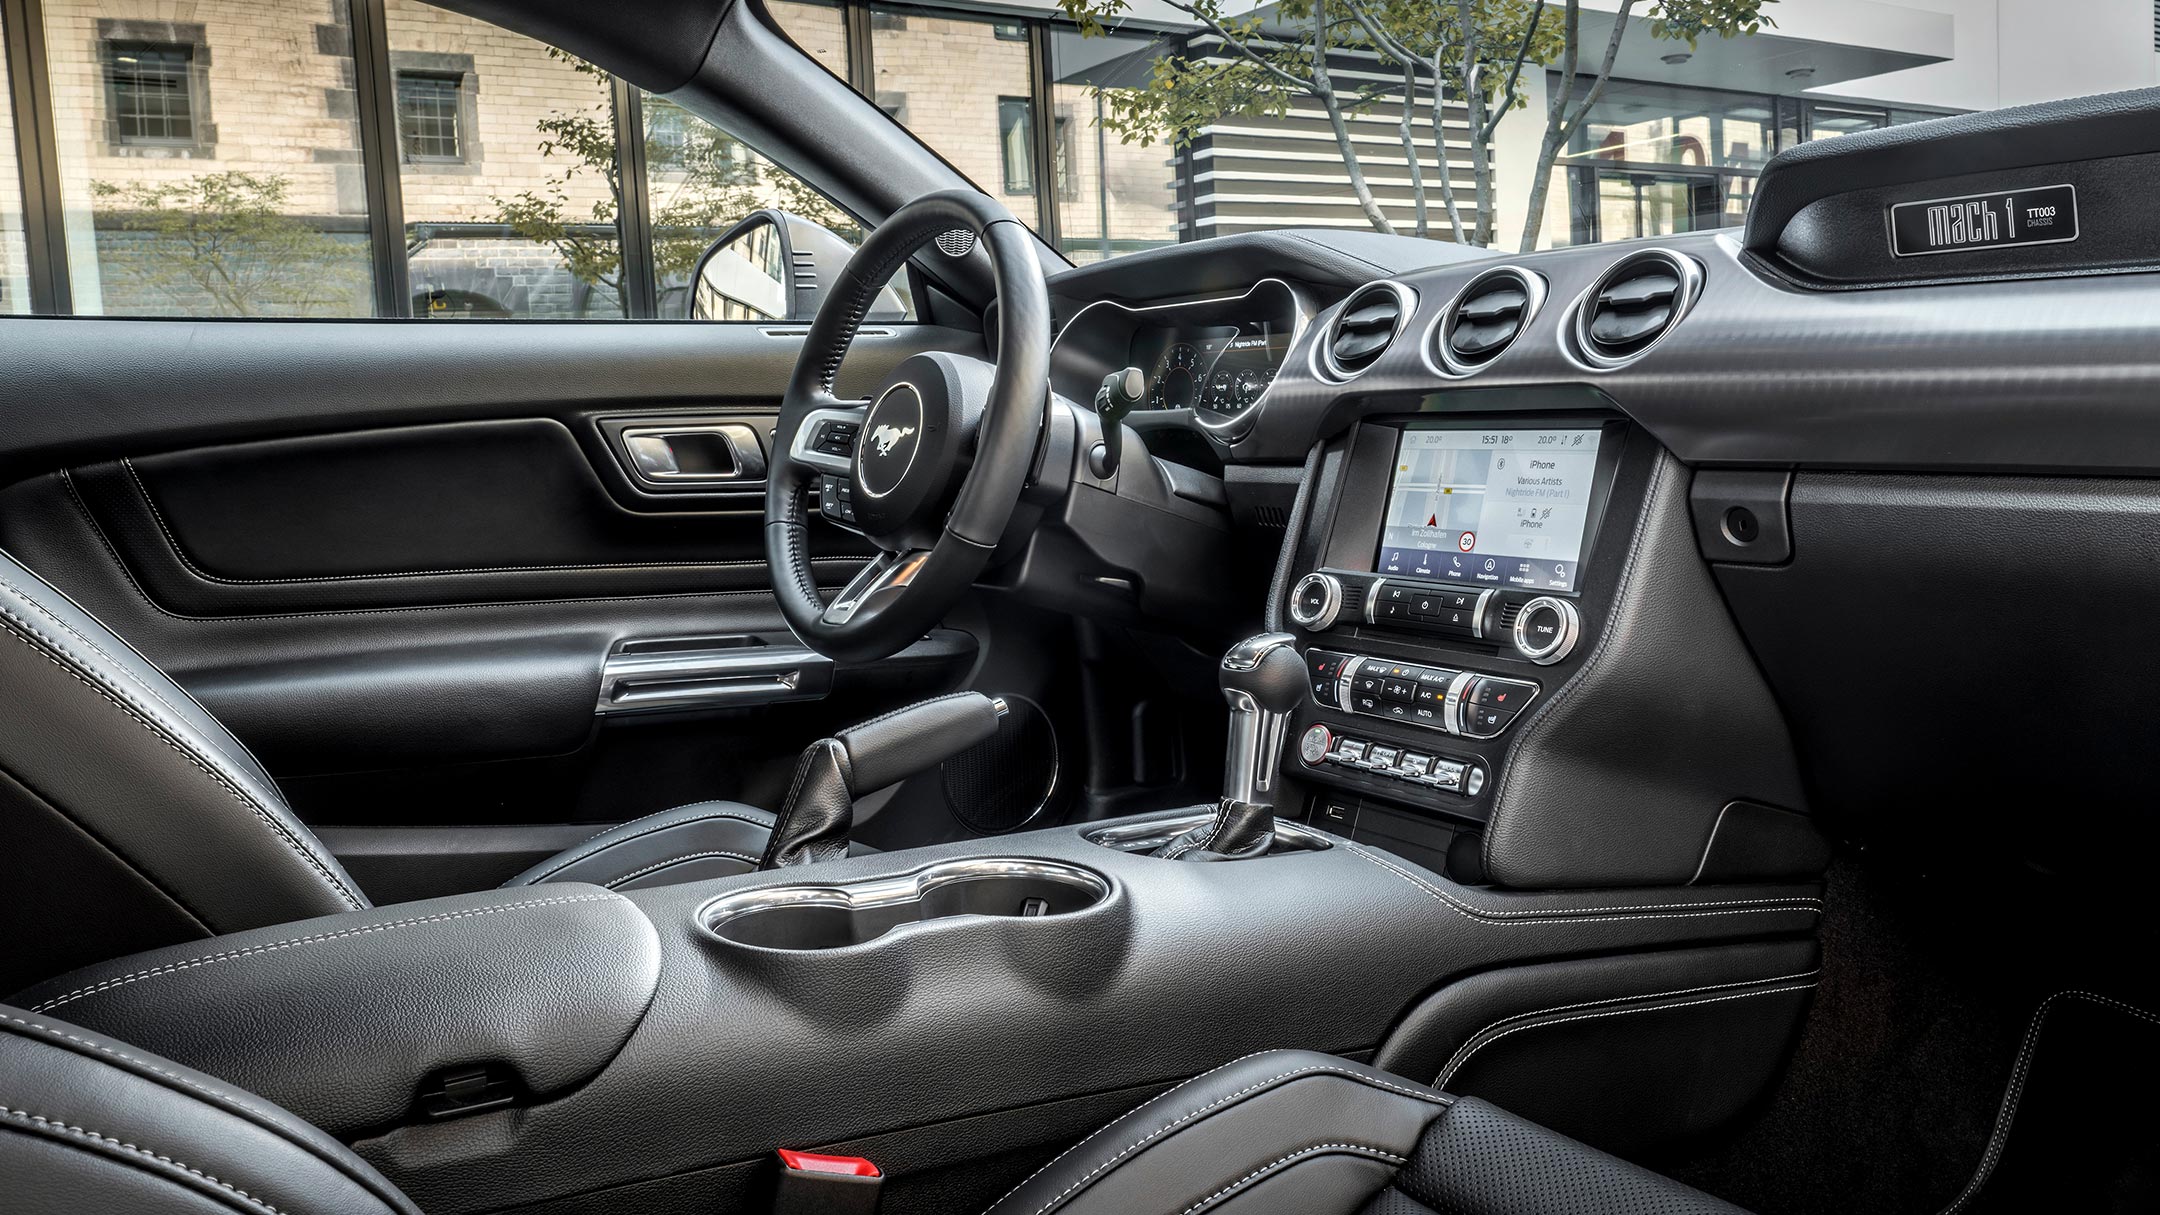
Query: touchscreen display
x,y
1490,507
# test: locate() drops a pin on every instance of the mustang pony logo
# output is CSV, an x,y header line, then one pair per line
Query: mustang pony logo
x,y
887,436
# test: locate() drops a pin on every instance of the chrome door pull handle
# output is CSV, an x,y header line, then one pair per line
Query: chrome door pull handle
x,y
720,453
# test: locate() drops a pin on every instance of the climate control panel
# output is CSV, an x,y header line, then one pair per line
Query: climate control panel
x,y
1467,704
1542,628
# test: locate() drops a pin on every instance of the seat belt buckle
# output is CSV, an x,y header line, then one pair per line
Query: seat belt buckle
x,y
812,1183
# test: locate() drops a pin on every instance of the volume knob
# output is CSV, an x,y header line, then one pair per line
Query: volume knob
x,y
1547,629
1315,601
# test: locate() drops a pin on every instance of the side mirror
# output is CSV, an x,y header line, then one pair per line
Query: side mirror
x,y
776,266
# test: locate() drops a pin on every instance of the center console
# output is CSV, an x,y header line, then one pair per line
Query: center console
x,y
1451,579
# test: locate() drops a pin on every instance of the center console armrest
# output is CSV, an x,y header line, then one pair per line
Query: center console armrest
x,y
509,995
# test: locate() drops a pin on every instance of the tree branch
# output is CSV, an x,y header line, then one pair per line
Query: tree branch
x,y
1237,44
1612,52
1522,52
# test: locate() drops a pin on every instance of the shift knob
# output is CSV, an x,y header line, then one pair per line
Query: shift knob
x,y
1263,679
1265,670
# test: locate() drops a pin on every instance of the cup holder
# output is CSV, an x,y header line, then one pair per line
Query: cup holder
x,y
834,917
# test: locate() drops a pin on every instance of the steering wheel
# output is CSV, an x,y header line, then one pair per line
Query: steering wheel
x,y
933,464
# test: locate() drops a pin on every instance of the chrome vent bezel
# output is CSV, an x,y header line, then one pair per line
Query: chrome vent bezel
x,y
1684,268
1534,292
1406,305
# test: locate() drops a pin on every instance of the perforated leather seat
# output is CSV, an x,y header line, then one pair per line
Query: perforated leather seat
x,y
134,819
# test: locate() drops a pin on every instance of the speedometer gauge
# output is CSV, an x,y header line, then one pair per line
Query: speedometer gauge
x,y
1175,385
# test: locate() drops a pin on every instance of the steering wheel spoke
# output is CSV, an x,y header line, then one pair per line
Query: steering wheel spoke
x,y
824,440
882,577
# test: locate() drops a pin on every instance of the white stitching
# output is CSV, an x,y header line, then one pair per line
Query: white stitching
x,y
51,1124
1195,1115
1569,915
646,816
175,1077
1455,1065
280,1123
1471,1045
128,575
653,830
1165,1095
677,860
52,652
2015,1092
186,563
1361,1149
273,946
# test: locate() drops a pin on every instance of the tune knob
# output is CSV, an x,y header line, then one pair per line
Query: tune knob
x,y
1547,629
1315,601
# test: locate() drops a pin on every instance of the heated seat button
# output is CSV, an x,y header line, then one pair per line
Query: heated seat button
x,y
1487,720
1511,694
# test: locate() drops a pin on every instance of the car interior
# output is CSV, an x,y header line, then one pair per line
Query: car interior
x,y
1298,721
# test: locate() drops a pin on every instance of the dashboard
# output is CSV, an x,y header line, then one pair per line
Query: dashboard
x,y
1216,357
1222,370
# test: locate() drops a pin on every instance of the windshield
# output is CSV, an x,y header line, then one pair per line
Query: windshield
x,y
1118,125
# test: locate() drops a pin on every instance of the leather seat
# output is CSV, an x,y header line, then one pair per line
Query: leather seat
x,y
1299,1133
134,819
87,1124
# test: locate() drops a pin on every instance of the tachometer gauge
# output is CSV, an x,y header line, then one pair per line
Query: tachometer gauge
x,y
1174,382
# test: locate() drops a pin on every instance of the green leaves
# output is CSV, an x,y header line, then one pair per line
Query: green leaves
x,y
221,244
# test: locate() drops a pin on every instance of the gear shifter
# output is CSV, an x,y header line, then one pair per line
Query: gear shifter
x,y
1263,679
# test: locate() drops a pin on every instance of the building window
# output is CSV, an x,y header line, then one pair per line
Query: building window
x,y
1016,147
1016,143
428,124
151,88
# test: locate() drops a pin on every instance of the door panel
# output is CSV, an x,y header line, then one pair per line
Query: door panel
x,y
394,557
464,512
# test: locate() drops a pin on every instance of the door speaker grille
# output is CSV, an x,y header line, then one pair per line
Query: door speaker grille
x,y
1004,782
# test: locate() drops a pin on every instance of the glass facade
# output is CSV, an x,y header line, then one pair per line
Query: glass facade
x,y
208,157
202,169
1656,159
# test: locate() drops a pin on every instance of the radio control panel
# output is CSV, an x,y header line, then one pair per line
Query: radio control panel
x,y
1467,704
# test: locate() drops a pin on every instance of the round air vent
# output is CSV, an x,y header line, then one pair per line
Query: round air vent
x,y
955,242
1489,315
1368,322
1634,304
1002,783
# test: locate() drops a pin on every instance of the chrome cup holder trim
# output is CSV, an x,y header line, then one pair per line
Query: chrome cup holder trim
x,y
915,886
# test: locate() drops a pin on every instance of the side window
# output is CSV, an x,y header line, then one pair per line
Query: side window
x,y
223,158
209,158
14,245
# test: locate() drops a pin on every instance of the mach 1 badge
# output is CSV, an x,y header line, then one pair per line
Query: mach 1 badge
x,y
2043,215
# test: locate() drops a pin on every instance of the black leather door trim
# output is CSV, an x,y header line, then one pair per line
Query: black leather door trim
x,y
466,512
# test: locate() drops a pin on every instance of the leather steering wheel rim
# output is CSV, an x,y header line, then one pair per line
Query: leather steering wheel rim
x,y
901,595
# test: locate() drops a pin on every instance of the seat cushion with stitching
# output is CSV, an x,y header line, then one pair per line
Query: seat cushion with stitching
x,y
1298,1133
88,1124
133,818
685,844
